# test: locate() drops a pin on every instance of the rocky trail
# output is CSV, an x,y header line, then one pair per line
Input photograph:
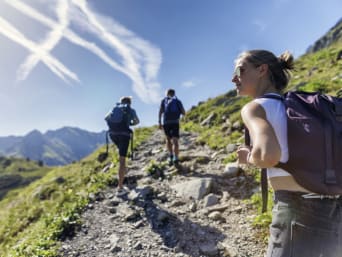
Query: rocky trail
x,y
197,208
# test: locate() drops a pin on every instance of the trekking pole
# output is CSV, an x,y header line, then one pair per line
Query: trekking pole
x,y
103,156
107,143
132,155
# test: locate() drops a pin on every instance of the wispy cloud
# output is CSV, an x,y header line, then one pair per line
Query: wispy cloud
x,y
190,83
8,30
50,41
261,25
68,34
140,60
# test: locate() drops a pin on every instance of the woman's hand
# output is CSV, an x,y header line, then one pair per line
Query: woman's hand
x,y
243,153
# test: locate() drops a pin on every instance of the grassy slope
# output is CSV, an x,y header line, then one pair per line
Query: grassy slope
x,y
23,167
16,173
319,71
34,218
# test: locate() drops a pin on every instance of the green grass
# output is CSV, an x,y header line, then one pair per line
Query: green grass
x,y
319,71
23,167
16,173
35,218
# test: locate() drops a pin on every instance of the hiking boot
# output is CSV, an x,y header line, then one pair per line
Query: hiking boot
x,y
122,192
171,160
176,160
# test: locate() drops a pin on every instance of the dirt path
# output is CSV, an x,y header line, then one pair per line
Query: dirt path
x,y
194,209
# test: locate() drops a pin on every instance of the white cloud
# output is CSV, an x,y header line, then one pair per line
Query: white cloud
x,y
261,25
189,83
8,30
140,60
51,40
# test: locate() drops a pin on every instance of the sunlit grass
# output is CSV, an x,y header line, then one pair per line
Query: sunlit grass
x,y
35,218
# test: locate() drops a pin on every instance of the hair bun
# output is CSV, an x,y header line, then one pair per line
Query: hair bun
x,y
286,60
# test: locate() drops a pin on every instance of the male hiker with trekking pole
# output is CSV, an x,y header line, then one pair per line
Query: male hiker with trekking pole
x,y
119,121
171,108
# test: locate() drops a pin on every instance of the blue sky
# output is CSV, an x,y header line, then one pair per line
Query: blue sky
x,y
67,62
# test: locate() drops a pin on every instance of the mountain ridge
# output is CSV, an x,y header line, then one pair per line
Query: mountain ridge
x,y
332,36
54,147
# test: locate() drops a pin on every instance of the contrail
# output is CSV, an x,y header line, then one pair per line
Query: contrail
x,y
129,55
68,34
49,43
102,33
57,67
140,60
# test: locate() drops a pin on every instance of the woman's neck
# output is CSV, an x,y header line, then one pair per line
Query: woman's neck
x,y
266,88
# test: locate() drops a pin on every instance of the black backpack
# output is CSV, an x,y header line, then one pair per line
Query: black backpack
x,y
119,118
314,128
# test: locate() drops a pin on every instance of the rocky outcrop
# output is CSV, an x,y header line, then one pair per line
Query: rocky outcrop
x,y
332,36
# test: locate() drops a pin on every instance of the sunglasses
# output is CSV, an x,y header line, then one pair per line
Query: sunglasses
x,y
238,71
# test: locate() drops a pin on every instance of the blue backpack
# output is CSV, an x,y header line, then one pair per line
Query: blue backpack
x,y
172,110
118,119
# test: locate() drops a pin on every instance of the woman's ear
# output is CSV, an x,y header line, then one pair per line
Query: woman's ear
x,y
263,69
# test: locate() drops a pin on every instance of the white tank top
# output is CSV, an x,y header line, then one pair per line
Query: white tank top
x,y
276,115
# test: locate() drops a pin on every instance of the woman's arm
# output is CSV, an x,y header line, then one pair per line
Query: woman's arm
x,y
266,150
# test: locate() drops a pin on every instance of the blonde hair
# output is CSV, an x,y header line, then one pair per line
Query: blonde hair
x,y
279,67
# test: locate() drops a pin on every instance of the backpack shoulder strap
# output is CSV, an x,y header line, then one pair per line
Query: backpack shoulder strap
x,y
165,102
273,96
179,104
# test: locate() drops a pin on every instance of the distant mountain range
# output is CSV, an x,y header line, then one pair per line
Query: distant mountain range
x,y
55,147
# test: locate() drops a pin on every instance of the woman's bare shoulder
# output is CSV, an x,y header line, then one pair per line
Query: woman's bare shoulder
x,y
253,109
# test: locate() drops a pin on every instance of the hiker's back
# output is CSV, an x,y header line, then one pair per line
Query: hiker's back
x,y
118,120
172,110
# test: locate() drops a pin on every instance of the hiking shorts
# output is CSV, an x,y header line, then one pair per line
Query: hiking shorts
x,y
305,227
122,143
171,130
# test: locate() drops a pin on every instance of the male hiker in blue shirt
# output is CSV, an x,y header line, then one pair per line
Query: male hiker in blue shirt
x,y
171,108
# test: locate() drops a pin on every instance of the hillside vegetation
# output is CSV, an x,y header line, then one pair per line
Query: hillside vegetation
x,y
17,173
36,217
